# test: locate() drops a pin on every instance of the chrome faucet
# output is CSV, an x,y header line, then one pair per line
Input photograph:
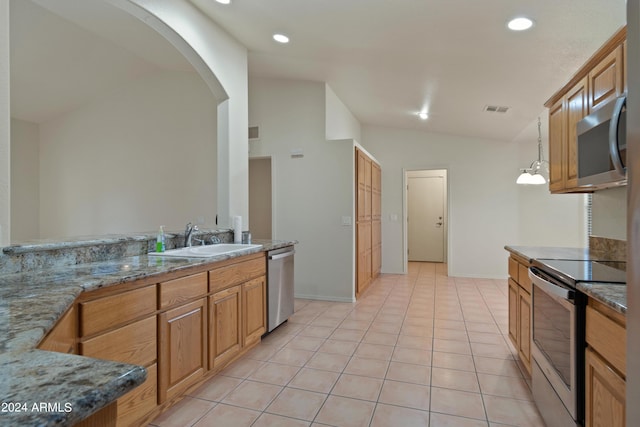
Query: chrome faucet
x,y
188,233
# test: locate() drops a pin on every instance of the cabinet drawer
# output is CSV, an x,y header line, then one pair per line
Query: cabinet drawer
x,y
513,268
134,343
523,278
234,274
181,290
109,312
608,338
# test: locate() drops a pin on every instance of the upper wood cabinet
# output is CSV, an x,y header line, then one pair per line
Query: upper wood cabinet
x,y
601,79
605,79
557,146
577,109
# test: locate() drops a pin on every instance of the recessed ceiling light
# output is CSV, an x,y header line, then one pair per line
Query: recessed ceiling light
x,y
281,38
224,1
520,24
423,115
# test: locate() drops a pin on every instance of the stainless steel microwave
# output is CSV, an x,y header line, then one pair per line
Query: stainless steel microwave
x,y
602,146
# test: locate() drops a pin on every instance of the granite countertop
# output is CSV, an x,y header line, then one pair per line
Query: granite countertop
x,y
611,294
30,305
542,252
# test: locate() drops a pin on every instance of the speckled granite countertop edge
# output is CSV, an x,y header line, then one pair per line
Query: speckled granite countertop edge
x,y
613,295
30,305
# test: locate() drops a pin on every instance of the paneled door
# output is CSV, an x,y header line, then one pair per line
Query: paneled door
x,y
425,218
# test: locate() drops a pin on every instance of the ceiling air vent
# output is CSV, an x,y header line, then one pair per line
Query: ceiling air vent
x,y
254,132
495,109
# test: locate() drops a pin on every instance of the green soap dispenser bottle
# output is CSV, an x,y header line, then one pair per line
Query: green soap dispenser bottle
x,y
160,241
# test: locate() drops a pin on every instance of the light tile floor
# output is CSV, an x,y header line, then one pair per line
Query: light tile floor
x,y
421,349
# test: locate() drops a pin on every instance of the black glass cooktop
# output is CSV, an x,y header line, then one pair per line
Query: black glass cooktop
x,y
572,271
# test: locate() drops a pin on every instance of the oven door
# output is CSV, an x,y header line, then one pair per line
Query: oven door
x,y
554,337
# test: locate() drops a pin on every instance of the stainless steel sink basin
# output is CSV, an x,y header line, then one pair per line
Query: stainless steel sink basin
x,y
207,251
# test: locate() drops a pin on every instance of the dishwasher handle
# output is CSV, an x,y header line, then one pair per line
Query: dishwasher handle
x,y
282,255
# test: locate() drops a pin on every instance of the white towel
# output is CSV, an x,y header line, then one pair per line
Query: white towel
x,y
237,229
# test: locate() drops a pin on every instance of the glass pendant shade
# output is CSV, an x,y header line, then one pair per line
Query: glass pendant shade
x,y
532,175
531,179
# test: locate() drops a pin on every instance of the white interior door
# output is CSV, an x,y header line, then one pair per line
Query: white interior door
x,y
425,218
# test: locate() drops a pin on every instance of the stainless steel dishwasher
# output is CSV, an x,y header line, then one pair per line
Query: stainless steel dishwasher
x,y
280,298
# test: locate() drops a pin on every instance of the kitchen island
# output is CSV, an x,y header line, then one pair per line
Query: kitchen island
x,y
49,388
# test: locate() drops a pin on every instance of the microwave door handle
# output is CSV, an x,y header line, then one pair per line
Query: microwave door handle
x,y
614,150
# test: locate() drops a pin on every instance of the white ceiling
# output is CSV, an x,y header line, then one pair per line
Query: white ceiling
x,y
386,59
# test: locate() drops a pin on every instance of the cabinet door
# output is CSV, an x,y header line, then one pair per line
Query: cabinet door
x,y
605,80
225,337
524,327
254,311
557,146
605,393
513,312
577,109
182,357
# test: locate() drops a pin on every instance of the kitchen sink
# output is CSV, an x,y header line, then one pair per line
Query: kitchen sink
x,y
207,251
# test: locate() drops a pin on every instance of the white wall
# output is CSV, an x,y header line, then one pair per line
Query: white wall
x,y
5,155
609,213
226,58
141,156
340,122
312,193
25,180
482,195
545,219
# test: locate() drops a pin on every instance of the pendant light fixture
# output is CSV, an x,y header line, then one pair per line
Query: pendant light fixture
x,y
532,175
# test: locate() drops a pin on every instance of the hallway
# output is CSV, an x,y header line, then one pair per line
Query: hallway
x,y
421,349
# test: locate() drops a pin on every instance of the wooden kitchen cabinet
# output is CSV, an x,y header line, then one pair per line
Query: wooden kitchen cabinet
x,y
237,308
557,146
254,313
182,358
225,326
520,309
605,367
601,79
123,327
577,108
183,327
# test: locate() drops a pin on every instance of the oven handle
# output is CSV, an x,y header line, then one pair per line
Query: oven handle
x,y
550,288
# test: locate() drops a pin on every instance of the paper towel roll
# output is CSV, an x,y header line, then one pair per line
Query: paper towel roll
x,y
237,229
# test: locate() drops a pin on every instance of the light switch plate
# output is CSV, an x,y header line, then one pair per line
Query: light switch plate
x,y
346,220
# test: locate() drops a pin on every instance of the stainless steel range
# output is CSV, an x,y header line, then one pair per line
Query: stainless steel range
x,y
558,335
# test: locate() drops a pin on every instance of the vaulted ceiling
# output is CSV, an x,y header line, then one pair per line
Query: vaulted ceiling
x,y
387,60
